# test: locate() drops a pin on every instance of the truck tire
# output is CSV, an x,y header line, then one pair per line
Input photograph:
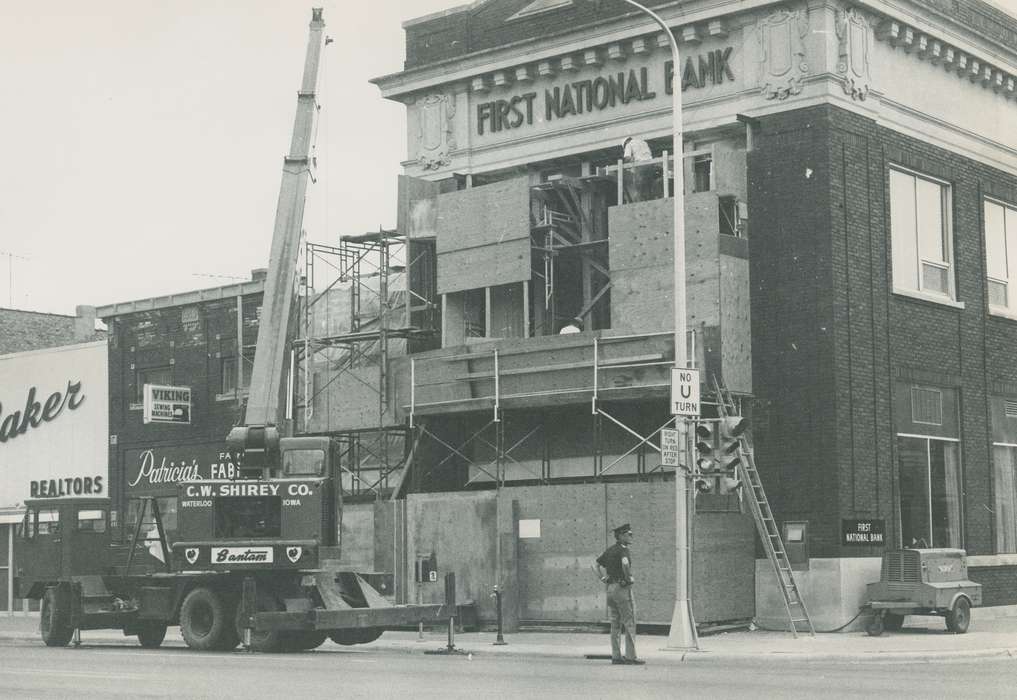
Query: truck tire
x,y
231,635
959,617
265,641
55,619
893,622
362,635
304,641
151,633
203,620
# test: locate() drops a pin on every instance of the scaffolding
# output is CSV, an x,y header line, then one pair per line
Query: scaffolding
x,y
366,300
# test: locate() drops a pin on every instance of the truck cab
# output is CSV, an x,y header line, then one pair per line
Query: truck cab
x,y
287,518
60,538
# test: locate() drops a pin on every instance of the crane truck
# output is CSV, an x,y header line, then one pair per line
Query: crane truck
x,y
255,559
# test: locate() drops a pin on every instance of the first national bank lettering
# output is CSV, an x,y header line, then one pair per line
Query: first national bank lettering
x,y
602,92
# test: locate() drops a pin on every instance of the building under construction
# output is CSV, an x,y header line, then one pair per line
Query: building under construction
x,y
497,366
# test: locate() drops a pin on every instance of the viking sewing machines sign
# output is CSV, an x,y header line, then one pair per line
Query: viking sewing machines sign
x,y
167,404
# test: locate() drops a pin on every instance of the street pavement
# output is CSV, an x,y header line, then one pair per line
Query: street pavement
x,y
922,639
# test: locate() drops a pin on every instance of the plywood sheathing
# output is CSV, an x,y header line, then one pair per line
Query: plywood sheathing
x,y
484,236
642,268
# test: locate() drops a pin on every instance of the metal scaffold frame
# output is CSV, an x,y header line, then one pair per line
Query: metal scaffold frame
x,y
359,272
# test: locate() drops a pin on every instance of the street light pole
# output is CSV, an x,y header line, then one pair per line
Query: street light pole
x,y
683,625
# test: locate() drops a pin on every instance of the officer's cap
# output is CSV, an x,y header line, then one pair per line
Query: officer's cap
x,y
622,530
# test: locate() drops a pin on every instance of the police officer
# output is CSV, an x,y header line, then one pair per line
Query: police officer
x,y
615,569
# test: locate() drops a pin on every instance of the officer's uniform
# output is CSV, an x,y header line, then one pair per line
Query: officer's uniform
x,y
617,561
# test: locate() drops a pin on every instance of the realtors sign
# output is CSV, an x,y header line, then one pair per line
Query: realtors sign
x,y
54,423
167,404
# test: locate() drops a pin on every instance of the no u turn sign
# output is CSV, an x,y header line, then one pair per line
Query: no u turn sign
x,y
685,392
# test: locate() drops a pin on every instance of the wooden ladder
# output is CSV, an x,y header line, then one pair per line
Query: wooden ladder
x,y
765,524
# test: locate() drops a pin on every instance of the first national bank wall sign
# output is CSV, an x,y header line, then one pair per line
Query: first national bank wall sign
x,y
603,92
167,404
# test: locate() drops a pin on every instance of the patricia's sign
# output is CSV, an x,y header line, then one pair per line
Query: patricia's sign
x,y
167,404
36,413
600,93
156,470
67,486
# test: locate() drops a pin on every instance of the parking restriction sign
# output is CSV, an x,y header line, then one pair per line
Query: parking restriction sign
x,y
685,392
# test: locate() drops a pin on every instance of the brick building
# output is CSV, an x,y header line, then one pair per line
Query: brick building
x,y
21,331
202,340
848,232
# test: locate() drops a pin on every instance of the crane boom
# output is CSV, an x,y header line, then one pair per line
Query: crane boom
x,y
270,356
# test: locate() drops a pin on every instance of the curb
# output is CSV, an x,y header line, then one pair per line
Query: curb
x,y
665,658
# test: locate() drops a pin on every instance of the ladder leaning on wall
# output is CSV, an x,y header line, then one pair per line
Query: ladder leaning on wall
x,y
765,523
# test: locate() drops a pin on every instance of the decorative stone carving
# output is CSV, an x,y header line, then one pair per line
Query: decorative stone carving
x,y
854,49
435,135
782,61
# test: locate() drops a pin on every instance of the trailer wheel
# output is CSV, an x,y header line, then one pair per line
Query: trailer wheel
x,y
875,626
893,622
958,619
364,635
55,619
203,620
151,633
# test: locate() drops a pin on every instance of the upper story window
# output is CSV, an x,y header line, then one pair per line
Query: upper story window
x,y
162,376
1001,257
921,234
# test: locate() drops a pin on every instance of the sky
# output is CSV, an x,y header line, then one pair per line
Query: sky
x,y
143,140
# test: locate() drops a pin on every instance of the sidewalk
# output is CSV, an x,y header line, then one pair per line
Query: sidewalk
x,y
921,639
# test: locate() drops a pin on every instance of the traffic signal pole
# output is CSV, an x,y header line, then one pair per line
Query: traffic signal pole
x,y
683,626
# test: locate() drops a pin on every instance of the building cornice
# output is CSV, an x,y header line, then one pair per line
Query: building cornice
x,y
183,299
691,24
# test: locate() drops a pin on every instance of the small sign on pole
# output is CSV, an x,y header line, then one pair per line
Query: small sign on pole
x,y
669,452
685,392
167,404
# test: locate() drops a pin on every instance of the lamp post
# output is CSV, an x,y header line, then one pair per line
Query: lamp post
x,y
683,626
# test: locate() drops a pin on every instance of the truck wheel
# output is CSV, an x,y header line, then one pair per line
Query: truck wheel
x,y
55,619
262,640
364,635
151,634
203,619
875,626
893,622
958,619
231,635
304,641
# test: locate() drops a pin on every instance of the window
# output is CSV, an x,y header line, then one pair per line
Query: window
x,y
702,173
926,406
920,235
1000,246
150,375
303,462
47,521
930,488
92,521
228,374
1004,474
149,531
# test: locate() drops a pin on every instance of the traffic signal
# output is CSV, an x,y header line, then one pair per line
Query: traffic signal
x,y
718,455
730,429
